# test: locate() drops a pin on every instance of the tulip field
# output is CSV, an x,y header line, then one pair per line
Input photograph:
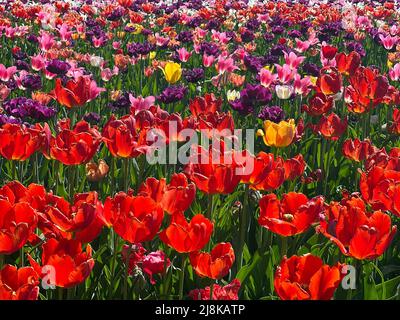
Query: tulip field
x,y
200,150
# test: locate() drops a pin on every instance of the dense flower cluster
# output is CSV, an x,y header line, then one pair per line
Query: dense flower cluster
x,y
302,97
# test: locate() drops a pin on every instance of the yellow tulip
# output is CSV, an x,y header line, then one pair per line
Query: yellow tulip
x,y
270,68
172,72
137,28
313,80
152,55
278,134
233,95
389,64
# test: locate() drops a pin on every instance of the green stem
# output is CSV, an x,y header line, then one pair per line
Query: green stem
x,y
126,174
127,272
182,277
243,218
210,206
22,257
115,239
284,246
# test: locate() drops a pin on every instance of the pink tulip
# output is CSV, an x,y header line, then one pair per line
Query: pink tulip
x,y
46,41
65,34
302,86
161,41
208,60
184,55
98,42
302,46
394,73
225,65
107,73
7,73
141,103
285,73
388,42
266,77
4,92
292,60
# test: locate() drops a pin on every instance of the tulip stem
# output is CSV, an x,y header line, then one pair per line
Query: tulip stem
x,y
284,246
115,239
243,227
14,170
127,272
126,173
1,261
210,206
22,256
182,277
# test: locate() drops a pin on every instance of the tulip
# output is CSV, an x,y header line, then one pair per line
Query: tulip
x,y
331,127
18,142
214,265
227,292
177,196
172,72
284,92
357,150
122,138
187,237
278,134
293,215
73,217
18,284
356,232
135,219
212,175
64,263
76,92
306,278
76,146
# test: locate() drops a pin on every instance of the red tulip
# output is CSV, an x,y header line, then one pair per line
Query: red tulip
x,y
331,127
379,187
205,105
187,237
268,173
135,219
357,233
329,81
76,146
77,216
395,127
357,150
76,92
18,142
18,284
294,167
294,214
218,121
348,64
366,90
177,196
122,138
64,263
318,104
213,175
228,292
17,222
213,265
306,278
328,52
